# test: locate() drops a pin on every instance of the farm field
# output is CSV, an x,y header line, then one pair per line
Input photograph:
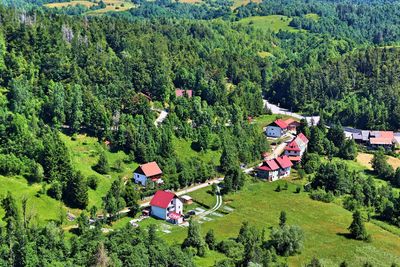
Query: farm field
x,y
111,5
323,223
365,160
273,23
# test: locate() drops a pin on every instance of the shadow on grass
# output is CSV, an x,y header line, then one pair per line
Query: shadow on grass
x,y
346,235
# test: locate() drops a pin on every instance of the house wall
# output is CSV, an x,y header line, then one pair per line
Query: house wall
x,y
292,153
159,212
263,174
178,205
284,172
273,175
140,178
274,131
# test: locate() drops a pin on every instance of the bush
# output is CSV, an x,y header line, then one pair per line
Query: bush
x,y
322,195
298,189
93,182
287,240
231,249
55,190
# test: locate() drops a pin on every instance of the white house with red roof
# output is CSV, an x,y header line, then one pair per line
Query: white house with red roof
x,y
276,129
148,172
275,169
285,165
268,170
167,206
296,148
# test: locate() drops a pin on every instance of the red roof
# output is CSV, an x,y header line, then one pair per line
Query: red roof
x,y
281,124
293,146
284,162
162,199
149,169
303,137
180,92
269,165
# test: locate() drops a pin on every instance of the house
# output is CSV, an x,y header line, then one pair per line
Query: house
x,y
268,170
383,139
148,172
187,199
361,137
167,206
276,129
181,93
296,148
285,165
292,124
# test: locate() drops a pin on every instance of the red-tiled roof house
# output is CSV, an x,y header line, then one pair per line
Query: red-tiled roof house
x,y
167,206
147,172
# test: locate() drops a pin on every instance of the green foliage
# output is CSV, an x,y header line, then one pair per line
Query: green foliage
x,y
102,166
194,239
322,195
357,228
287,240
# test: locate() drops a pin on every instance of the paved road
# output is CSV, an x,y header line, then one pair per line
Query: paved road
x,y
146,203
312,120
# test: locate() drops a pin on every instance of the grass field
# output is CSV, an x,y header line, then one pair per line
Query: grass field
x,y
324,225
365,160
84,151
312,16
41,207
72,3
273,23
184,152
238,3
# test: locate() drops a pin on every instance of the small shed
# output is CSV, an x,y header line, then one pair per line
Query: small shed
x,y
187,199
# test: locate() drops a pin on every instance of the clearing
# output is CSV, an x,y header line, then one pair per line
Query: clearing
x,y
111,5
365,160
238,3
273,23
184,151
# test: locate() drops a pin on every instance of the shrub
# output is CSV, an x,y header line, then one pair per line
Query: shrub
x,y
322,195
93,182
298,189
287,240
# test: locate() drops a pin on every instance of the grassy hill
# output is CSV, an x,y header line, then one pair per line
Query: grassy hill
x,y
324,225
111,5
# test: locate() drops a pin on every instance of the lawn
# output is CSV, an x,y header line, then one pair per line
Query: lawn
x,y
312,16
71,3
273,23
111,5
184,151
323,223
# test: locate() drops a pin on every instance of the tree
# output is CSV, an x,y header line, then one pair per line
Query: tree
x,y
287,240
75,192
396,178
357,228
101,258
194,239
102,165
380,165
234,180
282,219
83,223
210,239
314,263
348,150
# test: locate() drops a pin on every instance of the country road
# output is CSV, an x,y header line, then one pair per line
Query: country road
x,y
216,206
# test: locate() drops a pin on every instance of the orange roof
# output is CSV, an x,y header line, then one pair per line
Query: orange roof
x,y
149,169
381,141
162,199
295,159
281,124
290,120
284,162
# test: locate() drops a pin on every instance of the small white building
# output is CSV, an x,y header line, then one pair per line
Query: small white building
x,y
167,206
268,170
276,129
285,165
148,172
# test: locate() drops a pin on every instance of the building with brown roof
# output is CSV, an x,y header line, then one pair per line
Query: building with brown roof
x,y
148,172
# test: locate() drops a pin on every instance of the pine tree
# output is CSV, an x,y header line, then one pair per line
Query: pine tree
x,y
282,219
102,165
357,228
194,238
210,239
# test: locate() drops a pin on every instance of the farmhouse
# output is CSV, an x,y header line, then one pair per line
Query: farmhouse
x,y
275,169
296,148
277,128
167,206
181,93
148,172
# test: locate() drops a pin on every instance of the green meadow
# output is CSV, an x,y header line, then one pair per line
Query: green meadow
x,y
273,23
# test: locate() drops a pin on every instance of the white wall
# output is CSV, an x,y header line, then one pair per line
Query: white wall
x,y
274,131
273,175
178,205
284,172
159,212
140,179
